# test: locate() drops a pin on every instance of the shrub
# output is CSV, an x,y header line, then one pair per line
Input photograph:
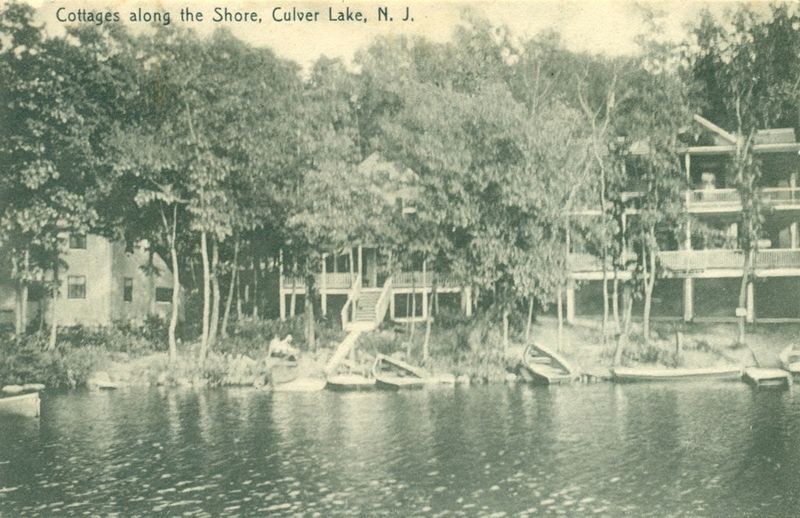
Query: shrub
x,y
28,361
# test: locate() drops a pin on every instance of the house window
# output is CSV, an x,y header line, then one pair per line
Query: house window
x,y
127,289
163,294
76,287
77,241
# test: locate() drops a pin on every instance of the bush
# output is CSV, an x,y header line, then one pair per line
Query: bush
x,y
28,361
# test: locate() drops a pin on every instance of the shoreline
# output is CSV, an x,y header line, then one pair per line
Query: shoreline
x,y
479,358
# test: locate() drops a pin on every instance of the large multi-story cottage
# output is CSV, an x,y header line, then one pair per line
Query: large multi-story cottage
x,y
701,276
699,279
103,282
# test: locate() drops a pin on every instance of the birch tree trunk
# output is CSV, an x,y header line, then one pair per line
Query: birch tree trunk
x,y
215,295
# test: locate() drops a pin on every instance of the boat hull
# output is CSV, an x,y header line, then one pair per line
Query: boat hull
x,y
536,375
400,375
631,375
28,405
349,383
398,383
300,385
547,367
283,373
790,361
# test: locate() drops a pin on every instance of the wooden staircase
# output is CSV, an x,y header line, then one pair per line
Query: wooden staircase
x,y
365,307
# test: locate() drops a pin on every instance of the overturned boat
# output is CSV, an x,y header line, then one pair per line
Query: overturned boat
x,y
392,374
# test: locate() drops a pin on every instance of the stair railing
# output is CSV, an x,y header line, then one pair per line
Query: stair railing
x,y
349,308
383,301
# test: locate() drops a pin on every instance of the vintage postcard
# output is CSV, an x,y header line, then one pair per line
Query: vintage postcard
x,y
399,258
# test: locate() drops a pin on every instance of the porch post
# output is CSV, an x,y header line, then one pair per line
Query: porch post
x,y
360,264
323,291
751,303
424,291
281,293
688,299
688,163
570,301
467,294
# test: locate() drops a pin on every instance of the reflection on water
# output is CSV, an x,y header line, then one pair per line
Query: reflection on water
x,y
718,449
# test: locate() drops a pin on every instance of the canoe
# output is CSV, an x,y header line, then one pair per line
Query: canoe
x,y
543,366
392,374
768,378
27,404
349,382
790,360
631,374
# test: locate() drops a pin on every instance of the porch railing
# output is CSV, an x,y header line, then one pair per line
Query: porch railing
x,y
688,260
332,280
781,195
349,308
730,197
383,301
422,279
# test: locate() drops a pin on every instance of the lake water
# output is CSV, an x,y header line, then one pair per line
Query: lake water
x,y
717,449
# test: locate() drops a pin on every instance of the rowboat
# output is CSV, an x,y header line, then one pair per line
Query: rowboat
x,y
392,374
632,374
543,366
283,371
349,382
790,360
27,404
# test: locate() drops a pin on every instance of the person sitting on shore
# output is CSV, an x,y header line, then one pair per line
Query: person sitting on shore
x,y
283,348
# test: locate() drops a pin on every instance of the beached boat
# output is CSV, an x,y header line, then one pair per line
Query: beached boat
x,y
300,385
349,382
632,374
790,360
543,366
283,371
392,374
27,404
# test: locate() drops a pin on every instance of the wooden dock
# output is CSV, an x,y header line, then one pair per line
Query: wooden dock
x,y
777,378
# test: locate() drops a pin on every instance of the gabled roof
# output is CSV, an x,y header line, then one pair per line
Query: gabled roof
x,y
773,140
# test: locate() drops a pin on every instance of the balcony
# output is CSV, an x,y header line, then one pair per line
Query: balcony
x,y
332,281
684,261
422,280
701,260
343,281
727,200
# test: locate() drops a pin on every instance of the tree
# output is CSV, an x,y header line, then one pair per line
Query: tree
x,y
51,152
